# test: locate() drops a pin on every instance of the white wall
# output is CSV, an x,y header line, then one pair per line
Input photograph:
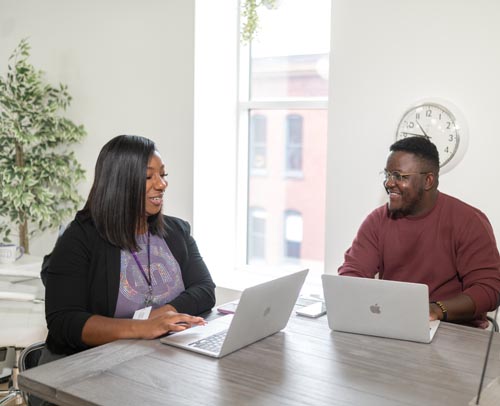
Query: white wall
x,y
387,54
215,164
129,65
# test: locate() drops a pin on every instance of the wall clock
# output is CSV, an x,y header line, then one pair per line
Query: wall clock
x,y
442,123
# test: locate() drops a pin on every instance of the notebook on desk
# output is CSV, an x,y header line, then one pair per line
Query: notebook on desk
x,y
262,310
378,307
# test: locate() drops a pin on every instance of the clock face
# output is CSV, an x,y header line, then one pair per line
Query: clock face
x,y
435,122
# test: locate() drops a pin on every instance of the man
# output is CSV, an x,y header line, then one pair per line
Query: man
x,y
425,236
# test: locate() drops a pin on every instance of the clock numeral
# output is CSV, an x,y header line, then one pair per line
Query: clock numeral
x,y
428,113
447,150
417,116
439,116
411,124
448,125
451,137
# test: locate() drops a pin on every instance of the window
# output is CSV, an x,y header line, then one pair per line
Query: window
x,y
256,234
254,162
258,140
293,234
283,115
293,153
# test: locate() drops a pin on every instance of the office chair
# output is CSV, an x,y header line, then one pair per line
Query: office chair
x,y
494,324
492,316
29,358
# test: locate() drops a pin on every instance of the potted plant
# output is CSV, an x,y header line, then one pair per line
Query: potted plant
x,y
38,176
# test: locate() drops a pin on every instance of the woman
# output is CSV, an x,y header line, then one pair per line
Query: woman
x,y
120,255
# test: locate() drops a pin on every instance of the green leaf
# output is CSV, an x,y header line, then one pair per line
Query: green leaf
x,y
39,174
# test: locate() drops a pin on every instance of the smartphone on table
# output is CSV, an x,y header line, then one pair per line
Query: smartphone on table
x,y
228,308
313,310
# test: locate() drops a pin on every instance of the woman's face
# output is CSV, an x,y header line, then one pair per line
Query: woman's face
x,y
156,183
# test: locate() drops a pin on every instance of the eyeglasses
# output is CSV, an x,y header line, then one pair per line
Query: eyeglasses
x,y
396,176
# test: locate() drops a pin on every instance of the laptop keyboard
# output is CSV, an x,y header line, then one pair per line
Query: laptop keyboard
x,y
211,343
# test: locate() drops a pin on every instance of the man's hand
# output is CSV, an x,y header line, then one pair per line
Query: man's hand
x,y
458,308
435,312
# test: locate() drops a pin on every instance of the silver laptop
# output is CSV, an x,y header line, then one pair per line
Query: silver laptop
x,y
379,308
262,310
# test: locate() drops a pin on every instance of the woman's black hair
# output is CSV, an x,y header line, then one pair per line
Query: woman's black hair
x,y
117,199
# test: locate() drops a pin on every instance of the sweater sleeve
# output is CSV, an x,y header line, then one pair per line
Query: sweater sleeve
x,y
66,293
199,293
363,258
478,263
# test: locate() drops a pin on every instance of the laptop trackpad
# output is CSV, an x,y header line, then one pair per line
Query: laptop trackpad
x,y
198,332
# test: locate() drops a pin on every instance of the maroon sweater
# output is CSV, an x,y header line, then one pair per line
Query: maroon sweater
x,y
451,249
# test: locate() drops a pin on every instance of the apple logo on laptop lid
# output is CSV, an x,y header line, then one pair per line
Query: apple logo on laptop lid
x,y
375,308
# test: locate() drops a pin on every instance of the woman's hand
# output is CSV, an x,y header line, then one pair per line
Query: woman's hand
x,y
100,330
162,310
167,321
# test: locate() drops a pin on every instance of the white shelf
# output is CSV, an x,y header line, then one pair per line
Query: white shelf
x,y
28,266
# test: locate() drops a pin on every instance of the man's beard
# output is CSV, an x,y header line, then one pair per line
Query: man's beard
x,y
410,209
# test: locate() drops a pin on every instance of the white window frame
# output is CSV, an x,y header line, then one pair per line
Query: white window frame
x,y
244,107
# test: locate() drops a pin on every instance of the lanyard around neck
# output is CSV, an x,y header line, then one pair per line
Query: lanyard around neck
x,y
141,268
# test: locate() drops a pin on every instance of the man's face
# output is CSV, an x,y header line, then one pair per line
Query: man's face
x,y
406,196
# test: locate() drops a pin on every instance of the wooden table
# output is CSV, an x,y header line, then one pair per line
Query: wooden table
x,y
306,364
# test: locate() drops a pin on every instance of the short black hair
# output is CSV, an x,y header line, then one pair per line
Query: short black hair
x,y
421,147
117,199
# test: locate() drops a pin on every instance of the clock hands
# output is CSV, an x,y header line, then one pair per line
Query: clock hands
x,y
418,135
422,129
424,134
